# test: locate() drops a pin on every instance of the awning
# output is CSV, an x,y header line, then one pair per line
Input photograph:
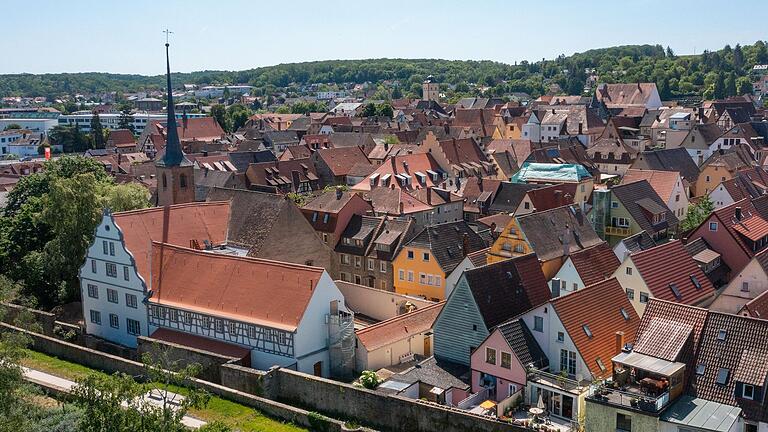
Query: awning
x,y
648,363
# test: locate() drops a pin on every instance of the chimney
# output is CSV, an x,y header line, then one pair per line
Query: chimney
x,y
494,234
738,214
339,193
386,146
619,342
465,244
566,242
429,195
295,177
402,207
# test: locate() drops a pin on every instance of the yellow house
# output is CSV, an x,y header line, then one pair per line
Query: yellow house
x,y
552,234
421,266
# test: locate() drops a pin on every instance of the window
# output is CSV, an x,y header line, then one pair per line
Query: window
x,y
401,274
748,391
700,368
722,376
325,238
624,314
93,266
438,281
383,266
474,327
587,331
490,356
111,269
629,271
93,291
675,290
183,181
643,297
630,294
410,254
425,256
519,248
104,247
111,249
130,301
560,337
721,335
745,286
165,181
568,361
614,204
538,323
96,317
410,276
358,280
422,278
623,422
527,205
326,217
111,295
114,321
506,360
125,273
219,326
600,364
695,282
344,259
713,226
134,327
371,264
314,217
358,261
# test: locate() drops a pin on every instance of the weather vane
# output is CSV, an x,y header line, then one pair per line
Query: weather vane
x,y
168,34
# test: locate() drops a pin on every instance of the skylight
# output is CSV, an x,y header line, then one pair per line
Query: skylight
x,y
624,314
587,330
675,290
696,282
721,335
700,368
600,364
722,376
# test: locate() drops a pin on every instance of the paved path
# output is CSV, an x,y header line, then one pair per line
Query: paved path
x,y
65,385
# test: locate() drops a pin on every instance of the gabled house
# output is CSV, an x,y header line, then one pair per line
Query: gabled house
x,y
425,261
500,364
484,298
628,95
509,196
330,212
546,198
552,235
676,159
333,166
579,333
720,167
627,209
121,140
744,286
549,173
746,183
408,172
461,158
698,142
478,195
585,267
633,243
296,175
666,272
737,232
668,185
471,261
611,155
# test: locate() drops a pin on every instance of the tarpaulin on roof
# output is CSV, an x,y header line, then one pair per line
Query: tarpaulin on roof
x,y
550,171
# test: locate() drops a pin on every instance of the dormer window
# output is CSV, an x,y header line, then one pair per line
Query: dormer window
x,y
748,391
326,217
314,217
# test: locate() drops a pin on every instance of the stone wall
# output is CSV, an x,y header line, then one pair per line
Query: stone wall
x,y
45,319
184,356
384,412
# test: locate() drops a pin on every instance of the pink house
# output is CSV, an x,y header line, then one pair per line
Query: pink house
x,y
737,232
499,363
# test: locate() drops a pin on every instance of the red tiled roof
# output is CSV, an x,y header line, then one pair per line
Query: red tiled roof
x,y
121,138
549,197
727,217
667,346
599,307
270,293
416,162
753,228
341,160
201,343
663,182
177,224
595,264
462,151
757,307
400,327
668,264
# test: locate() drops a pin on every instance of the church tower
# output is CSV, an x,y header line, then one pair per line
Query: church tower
x,y
175,173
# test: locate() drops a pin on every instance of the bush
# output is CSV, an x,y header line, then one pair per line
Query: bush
x,y
369,379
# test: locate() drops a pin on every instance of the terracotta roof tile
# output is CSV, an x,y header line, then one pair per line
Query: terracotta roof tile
x,y
177,224
663,182
599,308
669,265
341,160
595,264
399,328
269,293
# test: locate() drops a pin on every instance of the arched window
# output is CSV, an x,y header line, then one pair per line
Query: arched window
x,y
183,181
165,181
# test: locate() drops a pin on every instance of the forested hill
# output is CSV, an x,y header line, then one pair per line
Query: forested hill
x,y
710,74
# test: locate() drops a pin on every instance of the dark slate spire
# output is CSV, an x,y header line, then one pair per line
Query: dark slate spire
x,y
173,155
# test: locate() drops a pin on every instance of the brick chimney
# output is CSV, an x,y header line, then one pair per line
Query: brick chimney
x,y
465,244
619,342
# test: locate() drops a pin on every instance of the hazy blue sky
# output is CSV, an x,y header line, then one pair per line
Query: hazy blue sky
x,y
39,36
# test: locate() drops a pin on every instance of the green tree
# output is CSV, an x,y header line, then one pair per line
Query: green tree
x,y
396,92
219,113
369,110
12,126
237,116
719,91
743,86
97,132
730,84
126,118
384,110
697,213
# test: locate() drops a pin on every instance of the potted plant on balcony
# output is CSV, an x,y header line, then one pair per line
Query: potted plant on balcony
x,y
561,377
633,402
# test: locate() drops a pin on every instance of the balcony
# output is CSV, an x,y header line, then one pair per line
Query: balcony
x,y
632,398
617,231
557,381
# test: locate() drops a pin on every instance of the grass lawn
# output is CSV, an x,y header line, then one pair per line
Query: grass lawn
x,y
234,415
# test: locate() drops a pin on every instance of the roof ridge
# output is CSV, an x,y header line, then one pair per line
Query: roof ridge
x,y
173,206
400,317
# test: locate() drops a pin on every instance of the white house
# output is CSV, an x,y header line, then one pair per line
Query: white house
x,y
748,284
532,128
472,260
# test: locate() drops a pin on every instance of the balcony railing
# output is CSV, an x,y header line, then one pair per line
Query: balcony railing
x,y
638,401
557,381
617,231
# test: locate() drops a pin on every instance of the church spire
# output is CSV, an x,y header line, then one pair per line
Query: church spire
x,y
173,155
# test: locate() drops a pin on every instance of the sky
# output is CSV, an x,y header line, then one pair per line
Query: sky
x,y
49,36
